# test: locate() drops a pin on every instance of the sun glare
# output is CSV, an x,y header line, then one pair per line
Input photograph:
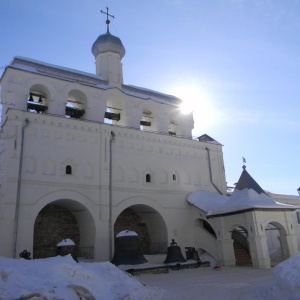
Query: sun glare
x,y
197,101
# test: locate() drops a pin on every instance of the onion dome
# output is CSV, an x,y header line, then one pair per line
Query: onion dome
x,y
108,43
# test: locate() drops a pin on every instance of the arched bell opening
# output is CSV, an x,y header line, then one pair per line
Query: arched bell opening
x,y
275,247
149,226
146,122
37,101
113,111
76,104
61,220
241,246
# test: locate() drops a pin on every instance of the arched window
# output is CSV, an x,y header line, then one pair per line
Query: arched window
x,y
37,99
146,120
148,177
75,105
174,177
68,170
172,127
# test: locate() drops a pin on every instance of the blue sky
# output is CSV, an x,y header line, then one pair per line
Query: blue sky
x,y
236,61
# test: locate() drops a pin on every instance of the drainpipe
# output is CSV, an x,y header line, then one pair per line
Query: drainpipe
x,y
110,232
18,190
210,172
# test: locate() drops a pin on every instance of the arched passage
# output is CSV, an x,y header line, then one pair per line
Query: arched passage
x,y
148,224
241,246
60,220
275,246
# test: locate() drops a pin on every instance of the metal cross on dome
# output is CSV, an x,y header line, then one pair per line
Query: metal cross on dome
x,y
107,15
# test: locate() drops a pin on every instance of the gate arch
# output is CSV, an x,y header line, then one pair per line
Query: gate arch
x,y
148,224
63,219
241,246
276,246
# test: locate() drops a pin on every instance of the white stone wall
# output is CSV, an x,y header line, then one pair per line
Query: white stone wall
x,y
52,142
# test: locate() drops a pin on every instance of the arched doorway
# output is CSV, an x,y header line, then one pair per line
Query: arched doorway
x,y
241,246
148,224
273,232
60,220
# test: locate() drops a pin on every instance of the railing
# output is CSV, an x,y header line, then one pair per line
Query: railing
x,y
74,112
31,105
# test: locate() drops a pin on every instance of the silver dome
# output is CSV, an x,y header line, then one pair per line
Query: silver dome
x,y
108,43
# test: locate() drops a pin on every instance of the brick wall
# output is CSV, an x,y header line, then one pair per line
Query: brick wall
x,y
53,224
129,220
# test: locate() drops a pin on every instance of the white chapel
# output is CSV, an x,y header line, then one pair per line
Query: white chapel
x,y
85,156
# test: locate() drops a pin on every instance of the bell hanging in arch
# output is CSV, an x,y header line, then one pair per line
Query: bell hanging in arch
x,y
128,249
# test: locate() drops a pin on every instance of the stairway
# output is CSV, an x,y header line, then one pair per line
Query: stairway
x,y
242,255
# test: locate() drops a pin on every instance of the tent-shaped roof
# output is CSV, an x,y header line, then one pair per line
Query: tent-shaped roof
x,y
247,182
247,196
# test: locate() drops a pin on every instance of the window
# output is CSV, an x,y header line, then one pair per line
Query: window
x,y
68,170
148,178
174,177
298,216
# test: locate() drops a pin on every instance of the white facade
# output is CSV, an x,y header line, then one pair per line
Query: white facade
x,y
97,148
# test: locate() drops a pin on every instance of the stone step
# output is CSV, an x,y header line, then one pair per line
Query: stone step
x,y
242,255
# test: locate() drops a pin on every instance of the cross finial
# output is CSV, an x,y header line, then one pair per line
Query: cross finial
x,y
107,20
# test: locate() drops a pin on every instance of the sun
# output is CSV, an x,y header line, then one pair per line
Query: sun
x,y
195,100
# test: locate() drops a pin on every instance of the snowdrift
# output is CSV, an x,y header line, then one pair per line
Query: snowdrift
x,y
63,278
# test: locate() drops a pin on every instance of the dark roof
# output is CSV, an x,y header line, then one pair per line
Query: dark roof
x,y
207,138
247,182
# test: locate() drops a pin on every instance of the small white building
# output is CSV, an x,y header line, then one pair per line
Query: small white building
x,y
85,156
250,227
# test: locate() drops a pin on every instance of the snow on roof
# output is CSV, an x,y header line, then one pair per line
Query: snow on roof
x,y
65,242
126,233
150,94
50,69
206,200
215,204
39,67
247,199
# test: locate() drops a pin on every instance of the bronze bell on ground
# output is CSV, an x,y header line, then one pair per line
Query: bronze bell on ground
x,y
128,249
174,254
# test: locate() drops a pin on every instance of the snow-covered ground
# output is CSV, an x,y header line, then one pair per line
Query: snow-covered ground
x,y
63,278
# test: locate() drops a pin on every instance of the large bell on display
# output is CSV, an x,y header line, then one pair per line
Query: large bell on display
x,y
128,249
174,254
